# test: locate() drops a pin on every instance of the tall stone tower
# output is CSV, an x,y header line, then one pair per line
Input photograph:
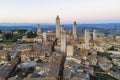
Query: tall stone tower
x,y
38,29
45,36
62,27
57,27
87,37
74,28
94,35
63,41
70,50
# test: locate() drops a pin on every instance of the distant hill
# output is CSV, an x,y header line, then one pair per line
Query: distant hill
x,y
111,28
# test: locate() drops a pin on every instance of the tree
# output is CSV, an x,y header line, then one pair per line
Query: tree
x,y
20,31
105,54
31,34
112,48
8,36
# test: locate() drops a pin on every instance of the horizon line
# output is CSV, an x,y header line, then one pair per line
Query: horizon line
x,y
61,23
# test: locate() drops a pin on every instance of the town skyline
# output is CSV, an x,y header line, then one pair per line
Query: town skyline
x,y
59,39
76,53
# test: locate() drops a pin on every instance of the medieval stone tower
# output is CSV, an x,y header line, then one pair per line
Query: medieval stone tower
x,y
62,27
74,28
94,35
63,41
87,37
38,29
45,36
57,27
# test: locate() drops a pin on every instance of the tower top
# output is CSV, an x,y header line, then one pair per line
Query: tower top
x,y
87,30
75,23
57,17
94,30
38,25
38,29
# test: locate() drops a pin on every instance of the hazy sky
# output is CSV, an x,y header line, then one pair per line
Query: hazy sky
x,y
45,11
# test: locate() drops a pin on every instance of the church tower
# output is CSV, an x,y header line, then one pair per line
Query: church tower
x,y
57,27
38,29
63,41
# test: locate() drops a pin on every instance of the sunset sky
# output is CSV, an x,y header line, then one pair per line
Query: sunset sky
x,y
45,11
